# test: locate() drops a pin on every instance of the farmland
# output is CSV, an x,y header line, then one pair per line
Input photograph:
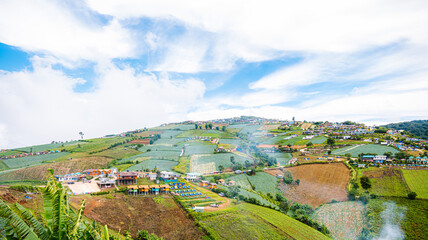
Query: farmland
x,y
44,147
417,180
318,140
368,148
199,149
345,220
163,217
247,221
206,163
319,183
385,182
261,181
32,160
153,163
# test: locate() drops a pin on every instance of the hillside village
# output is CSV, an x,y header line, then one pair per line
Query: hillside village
x,y
319,179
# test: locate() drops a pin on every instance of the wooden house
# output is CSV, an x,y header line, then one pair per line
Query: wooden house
x,y
221,181
204,183
212,185
126,178
143,189
164,188
132,189
154,189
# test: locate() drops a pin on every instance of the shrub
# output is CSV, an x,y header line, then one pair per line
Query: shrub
x,y
412,195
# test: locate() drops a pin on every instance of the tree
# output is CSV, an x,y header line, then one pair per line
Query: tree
x,y
223,128
81,134
217,128
309,144
365,182
210,125
59,220
297,181
412,195
331,141
196,126
220,168
389,154
232,159
233,192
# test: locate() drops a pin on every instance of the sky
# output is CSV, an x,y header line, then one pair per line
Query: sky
x,y
103,66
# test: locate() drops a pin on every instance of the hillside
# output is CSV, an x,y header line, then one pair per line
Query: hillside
x,y
417,127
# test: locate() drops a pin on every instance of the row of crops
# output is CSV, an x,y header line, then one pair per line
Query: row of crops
x,y
32,160
368,148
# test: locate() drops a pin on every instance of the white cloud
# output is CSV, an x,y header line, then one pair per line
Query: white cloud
x,y
56,29
40,106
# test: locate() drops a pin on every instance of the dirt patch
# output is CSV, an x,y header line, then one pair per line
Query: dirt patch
x,y
382,173
135,213
319,183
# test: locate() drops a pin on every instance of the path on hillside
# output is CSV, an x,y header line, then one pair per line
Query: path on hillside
x,y
220,207
346,150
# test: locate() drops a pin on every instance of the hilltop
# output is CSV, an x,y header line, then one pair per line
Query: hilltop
x,y
419,128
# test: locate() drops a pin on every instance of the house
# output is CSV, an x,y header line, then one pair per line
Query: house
x,y
154,189
231,183
361,165
212,185
192,176
96,172
204,183
72,177
164,175
164,188
132,189
279,176
238,171
368,158
292,161
106,183
151,176
379,159
126,178
221,181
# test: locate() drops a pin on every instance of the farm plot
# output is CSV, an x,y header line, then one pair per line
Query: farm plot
x,y
206,163
199,149
233,141
262,182
191,133
44,147
250,129
319,183
282,158
184,127
32,160
170,133
167,155
159,147
345,220
9,153
160,215
368,148
249,194
385,181
3,166
417,180
318,140
169,141
163,165
291,141
215,134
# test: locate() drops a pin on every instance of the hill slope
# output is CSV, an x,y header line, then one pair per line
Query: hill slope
x,y
418,127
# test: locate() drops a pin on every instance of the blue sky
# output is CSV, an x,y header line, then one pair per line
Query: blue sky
x,y
109,66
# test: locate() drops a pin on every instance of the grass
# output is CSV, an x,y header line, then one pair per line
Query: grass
x,y
385,182
368,148
262,181
183,165
417,180
32,160
345,220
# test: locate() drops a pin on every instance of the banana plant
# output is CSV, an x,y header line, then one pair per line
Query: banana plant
x,y
59,222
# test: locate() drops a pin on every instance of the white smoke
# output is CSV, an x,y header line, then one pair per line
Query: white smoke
x,y
391,218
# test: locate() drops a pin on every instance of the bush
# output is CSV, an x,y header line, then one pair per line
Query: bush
x,y
144,235
412,195
100,193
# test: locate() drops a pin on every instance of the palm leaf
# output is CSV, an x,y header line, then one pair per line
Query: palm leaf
x,y
15,225
38,227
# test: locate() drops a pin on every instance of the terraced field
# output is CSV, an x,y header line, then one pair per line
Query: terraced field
x,y
318,140
206,163
368,148
163,165
261,181
44,147
417,180
197,148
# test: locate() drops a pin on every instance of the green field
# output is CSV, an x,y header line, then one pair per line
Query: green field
x,y
206,163
197,148
3,166
250,129
191,133
262,182
345,220
247,221
152,163
385,182
417,180
291,141
167,134
32,160
318,140
234,141
368,148
9,153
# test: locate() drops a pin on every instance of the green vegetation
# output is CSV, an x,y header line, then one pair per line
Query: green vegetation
x,y
418,127
260,182
318,140
210,162
183,165
417,180
385,182
368,148
59,221
152,164
250,221
32,160
44,147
